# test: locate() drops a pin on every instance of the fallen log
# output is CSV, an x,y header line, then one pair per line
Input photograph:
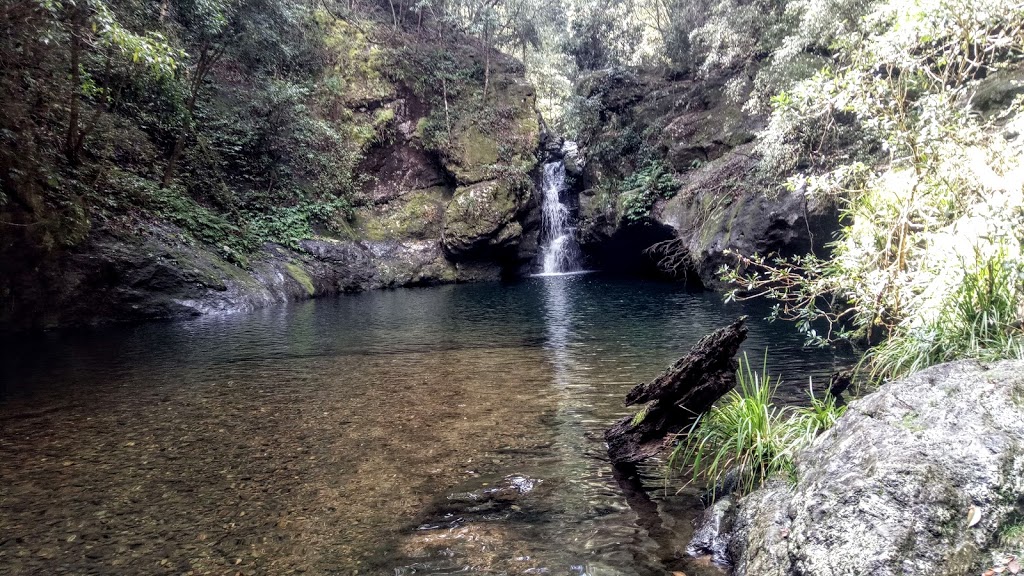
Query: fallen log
x,y
676,398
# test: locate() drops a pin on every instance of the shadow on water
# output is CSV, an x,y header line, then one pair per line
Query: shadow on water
x,y
450,429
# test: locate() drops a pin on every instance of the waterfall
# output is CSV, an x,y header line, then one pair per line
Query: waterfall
x,y
560,253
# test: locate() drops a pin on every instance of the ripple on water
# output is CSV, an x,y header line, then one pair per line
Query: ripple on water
x,y
323,436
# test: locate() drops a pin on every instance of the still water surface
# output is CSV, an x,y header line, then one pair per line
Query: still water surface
x,y
431,431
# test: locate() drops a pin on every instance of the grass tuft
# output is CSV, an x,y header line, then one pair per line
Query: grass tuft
x,y
981,320
747,437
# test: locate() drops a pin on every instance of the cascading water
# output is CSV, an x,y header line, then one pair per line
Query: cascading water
x,y
560,253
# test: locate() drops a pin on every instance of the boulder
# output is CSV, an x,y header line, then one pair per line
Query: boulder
x,y
714,216
481,216
698,129
998,90
416,215
923,477
397,168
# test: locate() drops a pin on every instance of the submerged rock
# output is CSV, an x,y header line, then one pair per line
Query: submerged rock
x,y
485,503
920,478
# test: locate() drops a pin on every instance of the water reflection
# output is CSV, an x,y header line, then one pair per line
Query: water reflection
x,y
558,325
339,427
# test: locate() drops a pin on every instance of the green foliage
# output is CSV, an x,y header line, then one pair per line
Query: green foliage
x,y
150,49
929,258
643,188
288,225
1012,534
734,31
822,414
267,152
172,205
602,35
980,319
747,437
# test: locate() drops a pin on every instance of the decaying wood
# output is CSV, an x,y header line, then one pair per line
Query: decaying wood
x,y
675,399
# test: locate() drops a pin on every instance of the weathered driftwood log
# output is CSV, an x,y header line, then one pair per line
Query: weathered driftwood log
x,y
675,399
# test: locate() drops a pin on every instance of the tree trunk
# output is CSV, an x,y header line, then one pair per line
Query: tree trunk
x,y
208,56
487,60
676,398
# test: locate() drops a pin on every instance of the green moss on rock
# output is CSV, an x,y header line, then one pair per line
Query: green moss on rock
x,y
417,215
494,140
300,276
477,214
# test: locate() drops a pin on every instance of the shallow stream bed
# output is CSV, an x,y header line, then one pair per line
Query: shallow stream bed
x,y
432,431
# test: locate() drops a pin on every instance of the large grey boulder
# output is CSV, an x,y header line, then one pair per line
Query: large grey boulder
x,y
481,217
891,488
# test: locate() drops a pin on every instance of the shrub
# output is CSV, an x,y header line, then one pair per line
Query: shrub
x,y
929,192
643,188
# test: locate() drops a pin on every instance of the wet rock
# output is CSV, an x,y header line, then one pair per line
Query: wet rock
x,y
416,215
715,217
410,263
918,478
573,158
157,275
698,130
482,503
839,382
509,490
714,531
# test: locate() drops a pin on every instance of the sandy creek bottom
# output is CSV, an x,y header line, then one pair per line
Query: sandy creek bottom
x,y
430,431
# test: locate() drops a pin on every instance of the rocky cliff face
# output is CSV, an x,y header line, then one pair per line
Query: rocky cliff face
x,y
923,477
698,130
434,208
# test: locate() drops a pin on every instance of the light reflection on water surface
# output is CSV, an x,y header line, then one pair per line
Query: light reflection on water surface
x,y
367,433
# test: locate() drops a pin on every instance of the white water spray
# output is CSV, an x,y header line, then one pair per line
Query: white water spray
x,y
560,252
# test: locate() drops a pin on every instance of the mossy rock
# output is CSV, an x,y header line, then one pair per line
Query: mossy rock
x,y
477,215
415,263
417,215
302,277
477,154
498,138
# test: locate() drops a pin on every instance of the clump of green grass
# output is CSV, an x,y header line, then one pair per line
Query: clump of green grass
x,y
748,437
1012,534
981,319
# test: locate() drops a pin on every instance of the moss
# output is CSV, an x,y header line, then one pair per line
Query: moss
x,y
477,213
495,140
300,276
421,126
415,216
1011,535
383,116
477,153
358,73
911,422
